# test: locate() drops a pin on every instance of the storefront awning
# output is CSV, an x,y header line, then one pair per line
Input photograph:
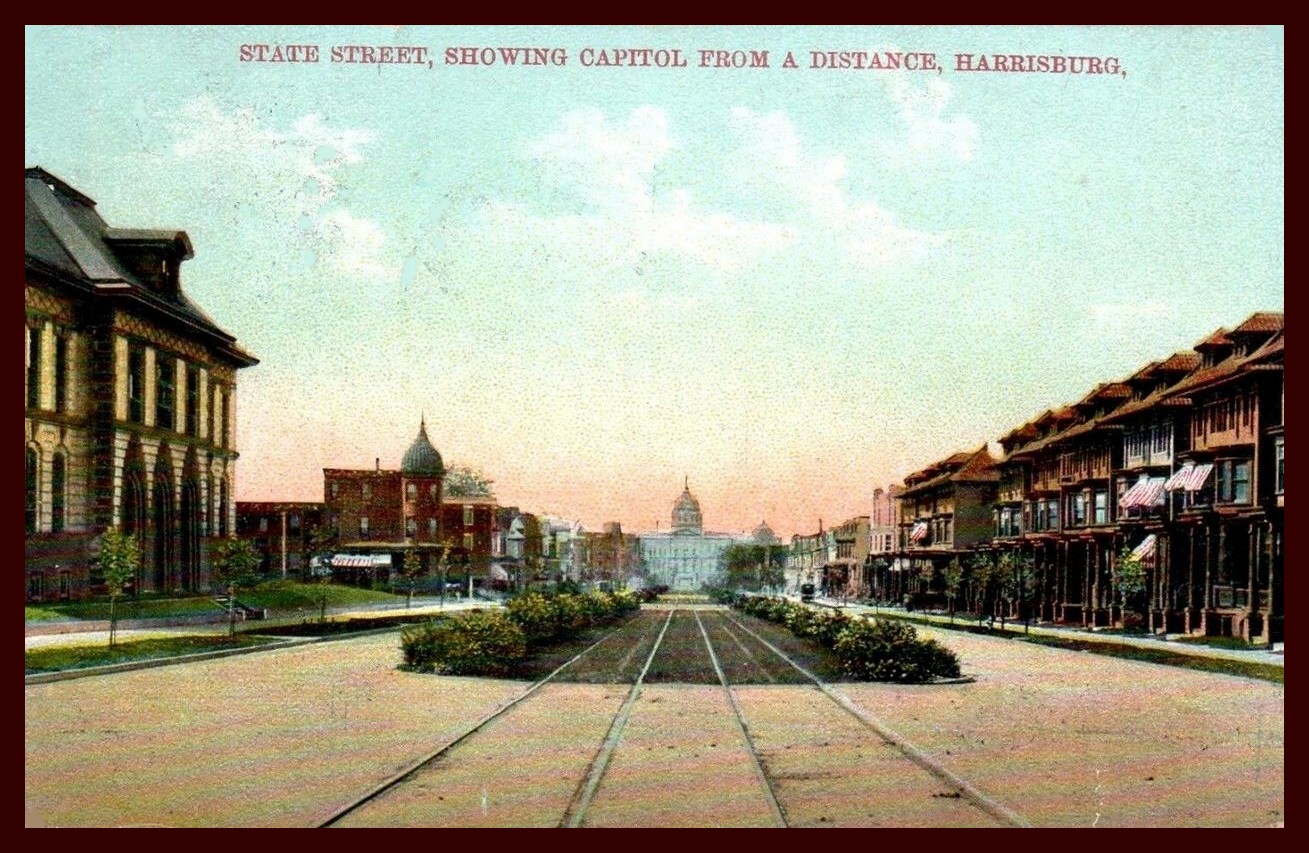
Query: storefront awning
x,y
919,532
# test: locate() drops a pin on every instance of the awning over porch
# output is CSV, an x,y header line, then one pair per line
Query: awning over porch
x,y
1145,550
1190,478
1148,492
360,561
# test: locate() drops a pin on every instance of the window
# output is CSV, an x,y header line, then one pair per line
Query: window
x,y
334,489
1279,461
165,389
263,524
33,466
363,526
216,412
1233,481
411,526
1077,509
366,489
136,384
33,368
61,373
58,475
431,528
431,490
1101,498
193,399
411,491
468,515
468,542
294,521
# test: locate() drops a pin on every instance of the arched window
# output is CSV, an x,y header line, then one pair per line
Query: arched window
x,y
412,491
33,481
58,477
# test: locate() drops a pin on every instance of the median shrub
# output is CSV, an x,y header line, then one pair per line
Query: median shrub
x,y
534,614
477,643
882,650
878,650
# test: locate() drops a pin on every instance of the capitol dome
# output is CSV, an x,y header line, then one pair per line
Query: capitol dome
x,y
421,458
686,514
764,535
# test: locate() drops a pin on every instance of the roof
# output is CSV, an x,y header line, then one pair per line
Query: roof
x,y
1217,339
422,458
1262,322
65,237
977,466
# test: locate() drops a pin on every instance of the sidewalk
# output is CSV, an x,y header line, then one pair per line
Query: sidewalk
x,y
1275,656
93,632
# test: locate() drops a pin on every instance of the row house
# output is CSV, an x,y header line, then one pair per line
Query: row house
x,y
944,513
846,570
129,400
807,560
1180,465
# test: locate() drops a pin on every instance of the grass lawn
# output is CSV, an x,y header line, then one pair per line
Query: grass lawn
x,y
293,595
128,608
56,658
1218,642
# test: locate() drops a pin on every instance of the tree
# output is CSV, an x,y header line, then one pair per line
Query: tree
x,y
1129,581
953,576
120,558
235,562
752,567
462,481
981,574
319,549
411,569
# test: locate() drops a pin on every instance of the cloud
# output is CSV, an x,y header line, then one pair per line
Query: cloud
x,y
927,131
771,157
610,166
296,172
927,134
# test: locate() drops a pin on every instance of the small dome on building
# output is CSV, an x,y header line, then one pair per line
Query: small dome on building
x,y
764,535
421,458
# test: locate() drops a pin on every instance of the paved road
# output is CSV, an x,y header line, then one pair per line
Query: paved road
x,y
283,738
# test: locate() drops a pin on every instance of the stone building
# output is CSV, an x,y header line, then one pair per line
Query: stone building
x,y
129,400
687,557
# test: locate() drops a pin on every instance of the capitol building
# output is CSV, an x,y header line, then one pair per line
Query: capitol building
x,y
687,557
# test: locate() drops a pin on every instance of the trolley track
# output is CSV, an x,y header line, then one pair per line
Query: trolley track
x,y
738,656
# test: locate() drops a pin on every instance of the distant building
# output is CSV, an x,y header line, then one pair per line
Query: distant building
x,y
129,400
687,557
282,532
384,512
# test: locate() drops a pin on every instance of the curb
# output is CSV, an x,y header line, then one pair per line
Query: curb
x,y
151,663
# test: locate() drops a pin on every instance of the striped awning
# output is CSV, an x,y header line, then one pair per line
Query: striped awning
x,y
1191,478
352,561
1145,550
1147,492
919,531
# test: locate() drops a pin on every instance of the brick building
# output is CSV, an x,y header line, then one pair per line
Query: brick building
x,y
377,514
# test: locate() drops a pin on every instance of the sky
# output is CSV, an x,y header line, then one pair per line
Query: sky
x,y
790,286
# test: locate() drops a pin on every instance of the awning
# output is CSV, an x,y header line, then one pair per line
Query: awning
x,y
1191,478
498,572
919,532
1147,492
1145,550
353,561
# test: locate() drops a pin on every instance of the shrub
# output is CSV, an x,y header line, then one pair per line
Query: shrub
x,y
570,614
478,643
534,614
891,651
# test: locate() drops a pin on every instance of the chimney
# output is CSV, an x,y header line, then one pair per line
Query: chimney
x,y
377,464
